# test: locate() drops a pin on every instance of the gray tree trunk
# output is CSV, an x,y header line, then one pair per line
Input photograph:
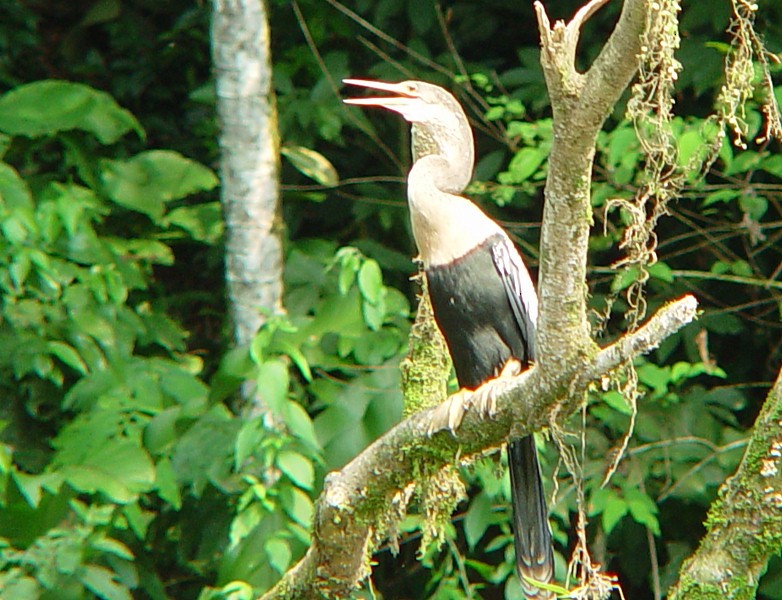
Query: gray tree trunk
x,y
249,166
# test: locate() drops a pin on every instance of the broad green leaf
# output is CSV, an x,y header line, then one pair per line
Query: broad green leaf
x,y
773,165
654,377
690,143
298,505
312,164
48,107
146,182
247,441
14,193
204,222
478,519
642,509
661,271
622,142
167,487
120,469
752,204
245,522
617,401
272,383
374,313
236,590
112,546
370,281
298,468
299,423
624,278
67,354
102,582
32,486
279,554
523,165
613,510
20,588
720,196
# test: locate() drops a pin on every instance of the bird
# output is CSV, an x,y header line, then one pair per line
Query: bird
x,y
482,295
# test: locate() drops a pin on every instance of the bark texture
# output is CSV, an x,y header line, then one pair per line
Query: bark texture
x,y
249,165
744,525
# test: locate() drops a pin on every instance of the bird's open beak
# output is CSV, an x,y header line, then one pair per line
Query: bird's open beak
x,y
402,93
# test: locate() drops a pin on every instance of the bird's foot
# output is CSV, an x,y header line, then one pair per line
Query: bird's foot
x,y
449,414
485,397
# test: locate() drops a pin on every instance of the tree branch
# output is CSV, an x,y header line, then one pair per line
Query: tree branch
x,y
744,525
580,104
360,504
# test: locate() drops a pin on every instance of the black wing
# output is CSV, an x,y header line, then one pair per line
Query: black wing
x,y
520,292
531,532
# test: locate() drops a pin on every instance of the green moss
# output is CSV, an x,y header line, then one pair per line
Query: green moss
x,y
427,366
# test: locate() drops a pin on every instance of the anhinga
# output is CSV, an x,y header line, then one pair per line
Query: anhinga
x,y
483,298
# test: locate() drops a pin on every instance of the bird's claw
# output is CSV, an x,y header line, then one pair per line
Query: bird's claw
x,y
449,414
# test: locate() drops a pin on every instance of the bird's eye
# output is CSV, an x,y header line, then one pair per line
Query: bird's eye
x,y
411,88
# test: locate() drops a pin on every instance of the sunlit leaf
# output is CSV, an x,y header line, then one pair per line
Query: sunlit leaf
x,y
48,107
312,164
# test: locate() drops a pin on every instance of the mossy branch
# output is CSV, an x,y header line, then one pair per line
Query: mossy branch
x,y
357,502
744,525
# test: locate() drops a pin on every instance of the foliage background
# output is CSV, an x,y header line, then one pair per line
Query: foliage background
x,y
125,468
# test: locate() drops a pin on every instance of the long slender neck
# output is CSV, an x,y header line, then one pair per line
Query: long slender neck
x,y
453,142
445,226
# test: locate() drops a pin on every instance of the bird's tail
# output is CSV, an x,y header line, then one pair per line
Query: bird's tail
x,y
531,532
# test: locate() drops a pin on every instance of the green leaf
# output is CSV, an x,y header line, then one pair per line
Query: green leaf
x,y
374,313
272,381
661,271
31,486
204,222
298,505
624,278
623,143
20,588
68,355
247,441
370,281
48,107
300,424
146,182
617,401
773,165
523,165
478,519
755,206
14,193
245,523
613,510
298,468
312,164
167,487
642,509
279,553
690,142
721,196
101,582
112,546
120,469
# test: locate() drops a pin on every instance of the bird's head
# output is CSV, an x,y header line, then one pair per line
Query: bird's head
x,y
416,101
440,126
